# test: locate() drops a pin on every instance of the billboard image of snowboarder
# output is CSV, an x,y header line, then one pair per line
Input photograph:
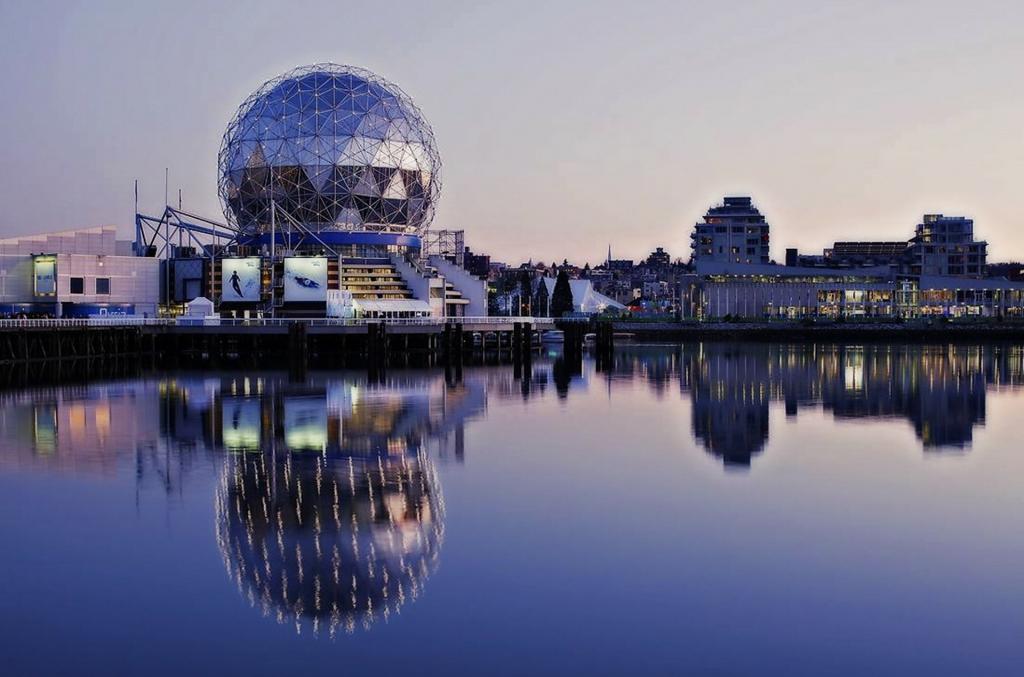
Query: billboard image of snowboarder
x,y
305,278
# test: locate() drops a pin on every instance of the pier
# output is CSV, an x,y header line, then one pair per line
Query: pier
x,y
300,342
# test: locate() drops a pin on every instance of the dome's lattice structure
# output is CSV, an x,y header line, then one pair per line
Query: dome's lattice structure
x,y
337,149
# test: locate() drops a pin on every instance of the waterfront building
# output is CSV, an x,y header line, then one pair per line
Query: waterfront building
x,y
733,232
329,176
718,290
76,273
945,245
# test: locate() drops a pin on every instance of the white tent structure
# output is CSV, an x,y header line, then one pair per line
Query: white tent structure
x,y
199,311
585,299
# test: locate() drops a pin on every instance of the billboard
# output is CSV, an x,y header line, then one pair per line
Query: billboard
x,y
305,278
240,280
240,429
305,423
44,271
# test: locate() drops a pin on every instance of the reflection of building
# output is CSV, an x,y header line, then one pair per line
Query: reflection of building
x,y
940,390
337,542
730,407
82,429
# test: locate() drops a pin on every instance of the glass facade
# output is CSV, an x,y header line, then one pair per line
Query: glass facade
x,y
337,149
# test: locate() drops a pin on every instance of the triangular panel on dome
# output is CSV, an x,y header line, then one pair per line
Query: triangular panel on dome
x,y
367,185
335,148
305,150
318,175
395,189
382,175
348,216
374,126
360,151
256,158
393,211
346,121
389,154
413,186
347,177
235,177
272,152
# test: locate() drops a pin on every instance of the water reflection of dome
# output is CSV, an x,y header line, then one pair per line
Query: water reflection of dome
x,y
332,544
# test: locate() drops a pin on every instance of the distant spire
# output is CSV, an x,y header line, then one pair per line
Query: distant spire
x,y
608,262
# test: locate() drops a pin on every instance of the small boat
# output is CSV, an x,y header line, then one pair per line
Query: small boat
x,y
553,336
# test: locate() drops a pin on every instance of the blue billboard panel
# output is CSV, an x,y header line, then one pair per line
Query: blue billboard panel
x,y
305,278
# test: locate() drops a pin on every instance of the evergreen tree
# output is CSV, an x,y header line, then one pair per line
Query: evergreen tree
x,y
561,297
525,293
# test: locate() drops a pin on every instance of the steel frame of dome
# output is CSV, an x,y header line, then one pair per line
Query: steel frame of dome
x,y
368,172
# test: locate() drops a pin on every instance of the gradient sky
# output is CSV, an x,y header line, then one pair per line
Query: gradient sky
x,y
563,126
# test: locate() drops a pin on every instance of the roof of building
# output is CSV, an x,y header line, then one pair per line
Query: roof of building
x,y
776,270
869,248
952,282
391,305
98,240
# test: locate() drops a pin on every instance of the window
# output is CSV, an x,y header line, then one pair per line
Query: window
x,y
103,286
78,285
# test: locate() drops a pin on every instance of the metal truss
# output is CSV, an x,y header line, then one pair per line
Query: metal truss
x,y
451,244
159,236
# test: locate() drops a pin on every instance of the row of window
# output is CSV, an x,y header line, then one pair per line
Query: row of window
x,y
753,230
102,286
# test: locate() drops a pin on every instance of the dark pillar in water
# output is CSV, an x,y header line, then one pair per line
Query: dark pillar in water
x,y
572,346
298,350
604,345
376,349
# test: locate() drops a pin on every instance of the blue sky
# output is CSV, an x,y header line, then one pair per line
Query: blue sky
x,y
563,126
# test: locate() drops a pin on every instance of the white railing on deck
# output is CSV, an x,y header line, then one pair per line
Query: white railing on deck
x,y
58,323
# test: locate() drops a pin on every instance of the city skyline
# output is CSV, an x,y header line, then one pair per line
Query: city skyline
x,y
549,137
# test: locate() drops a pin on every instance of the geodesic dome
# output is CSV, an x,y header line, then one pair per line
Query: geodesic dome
x,y
337,148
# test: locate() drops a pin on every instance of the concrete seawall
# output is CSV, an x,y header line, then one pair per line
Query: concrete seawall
x,y
849,331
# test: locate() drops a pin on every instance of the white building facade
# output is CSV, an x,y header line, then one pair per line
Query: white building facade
x,y
76,273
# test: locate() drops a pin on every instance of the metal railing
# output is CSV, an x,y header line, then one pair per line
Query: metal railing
x,y
184,320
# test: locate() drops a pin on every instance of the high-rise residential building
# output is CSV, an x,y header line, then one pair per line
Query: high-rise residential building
x,y
945,245
732,232
659,257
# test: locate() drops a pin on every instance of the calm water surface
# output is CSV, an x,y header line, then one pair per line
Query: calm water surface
x,y
704,509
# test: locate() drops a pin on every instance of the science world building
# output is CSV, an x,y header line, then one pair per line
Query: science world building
x,y
339,151
329,177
